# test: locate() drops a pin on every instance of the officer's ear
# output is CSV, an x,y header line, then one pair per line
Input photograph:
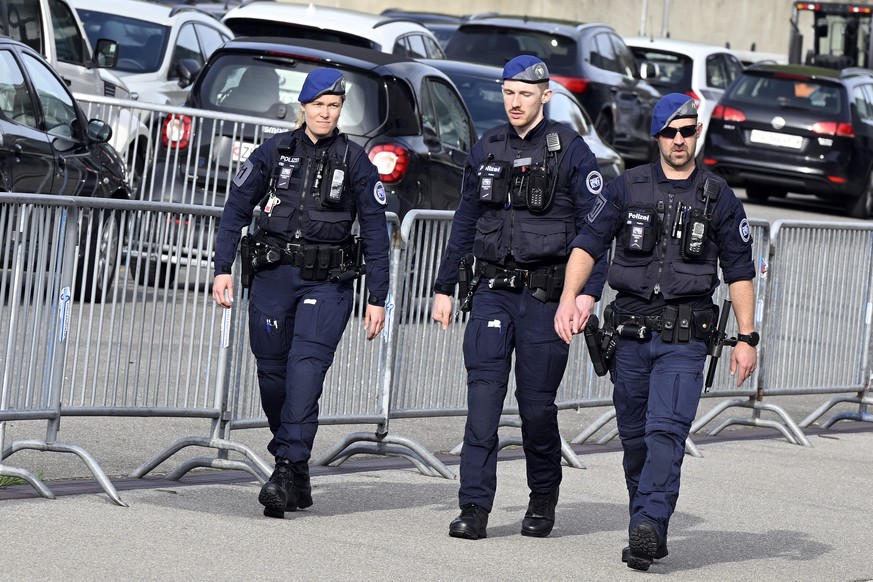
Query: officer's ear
x,y
547,95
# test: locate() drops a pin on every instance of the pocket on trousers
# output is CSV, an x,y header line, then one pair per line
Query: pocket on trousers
x,y
268,334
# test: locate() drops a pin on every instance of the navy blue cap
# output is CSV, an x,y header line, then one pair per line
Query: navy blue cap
x,y
670,108
526,68
322,82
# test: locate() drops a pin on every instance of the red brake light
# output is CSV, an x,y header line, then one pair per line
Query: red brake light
x,y
573,84
728,113
176,132
833,128
391,161
694,96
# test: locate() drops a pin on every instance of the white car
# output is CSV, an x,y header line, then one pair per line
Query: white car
x,y
400,37
702,71
152,40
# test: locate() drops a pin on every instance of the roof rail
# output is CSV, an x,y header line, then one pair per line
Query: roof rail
x,y
855,72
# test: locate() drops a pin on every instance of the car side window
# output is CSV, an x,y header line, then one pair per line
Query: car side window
x,y
58,109
733,67
69,43
561,108
432,48
415,48
210,39
23,22
863,95
186,47
715,72
447,116
16,102
624,58
603,57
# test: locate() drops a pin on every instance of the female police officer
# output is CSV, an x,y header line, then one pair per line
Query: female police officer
x,y
673,224
311,184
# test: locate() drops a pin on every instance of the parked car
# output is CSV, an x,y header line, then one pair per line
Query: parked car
x,y
49,147
440,24
791,128
481,86
152,40
216,8
591,60
699,70
52,28
407,115
307,21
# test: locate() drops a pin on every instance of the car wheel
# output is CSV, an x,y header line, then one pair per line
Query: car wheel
x,y
605,128
97,257
862,206
758,193
153,273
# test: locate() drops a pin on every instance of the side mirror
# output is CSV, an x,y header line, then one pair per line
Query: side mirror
x,y
106,53
187,69
99,131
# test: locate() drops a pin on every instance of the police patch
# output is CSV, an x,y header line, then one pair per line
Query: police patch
x,y
745,230
594,182
379,193
243,174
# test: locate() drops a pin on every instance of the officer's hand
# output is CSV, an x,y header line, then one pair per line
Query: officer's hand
x,y
744,361
221,284
567,318
585,305
374,320
442,309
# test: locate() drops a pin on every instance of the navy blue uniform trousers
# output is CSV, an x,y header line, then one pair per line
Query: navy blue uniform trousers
x,y
294,328
657,390
502,322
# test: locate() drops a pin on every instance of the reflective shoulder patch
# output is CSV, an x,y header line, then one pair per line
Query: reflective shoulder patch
x,y
594,181
745,230
243,174
379,193
599,204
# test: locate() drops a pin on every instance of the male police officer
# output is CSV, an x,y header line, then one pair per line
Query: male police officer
x,y
673,223
311,183
527,188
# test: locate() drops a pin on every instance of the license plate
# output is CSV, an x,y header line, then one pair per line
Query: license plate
x,y
776,139
241,151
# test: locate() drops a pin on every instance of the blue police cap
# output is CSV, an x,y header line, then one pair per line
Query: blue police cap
x,y
526,68
670,108
322,82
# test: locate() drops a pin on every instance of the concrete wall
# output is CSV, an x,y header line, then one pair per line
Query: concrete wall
x,y
740,22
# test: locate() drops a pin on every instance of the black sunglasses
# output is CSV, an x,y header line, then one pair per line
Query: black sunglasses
x,y
686,131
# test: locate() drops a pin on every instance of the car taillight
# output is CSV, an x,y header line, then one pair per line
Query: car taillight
x,y
391,161
833,128
176,132
728,113
694,96
573,84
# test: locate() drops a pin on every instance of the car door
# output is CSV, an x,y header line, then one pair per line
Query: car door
x,y
76,171
636,98
27,162
449,134
72,51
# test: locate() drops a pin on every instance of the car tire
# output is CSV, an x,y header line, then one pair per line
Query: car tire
x,y
862,206
605,127
759,193
97,257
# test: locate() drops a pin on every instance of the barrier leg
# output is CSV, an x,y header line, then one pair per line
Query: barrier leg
x,y
379,448
208,442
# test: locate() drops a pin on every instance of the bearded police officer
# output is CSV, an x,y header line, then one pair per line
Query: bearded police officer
x,y
311,184
527,187
674,224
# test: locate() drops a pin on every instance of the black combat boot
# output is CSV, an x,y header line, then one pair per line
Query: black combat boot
x,y
471,523
278,494
661,553
540,516
302,486
644,545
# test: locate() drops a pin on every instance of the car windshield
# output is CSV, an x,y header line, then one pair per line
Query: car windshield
x,y
789,92
495,46
141,44
269,87
668,72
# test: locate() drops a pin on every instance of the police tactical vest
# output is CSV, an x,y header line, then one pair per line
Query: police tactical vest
x,y
511,183
650,252
309,198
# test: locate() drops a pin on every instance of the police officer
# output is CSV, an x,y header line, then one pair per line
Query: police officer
x,y
311,184
673,224
527,187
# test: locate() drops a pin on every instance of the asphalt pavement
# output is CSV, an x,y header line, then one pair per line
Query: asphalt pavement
x,y
754,507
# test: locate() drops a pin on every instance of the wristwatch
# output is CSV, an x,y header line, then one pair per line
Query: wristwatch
x,y
752,338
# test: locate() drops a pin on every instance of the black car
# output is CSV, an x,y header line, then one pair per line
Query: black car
x,y
481,88
48,146
591,60
789,128
407,115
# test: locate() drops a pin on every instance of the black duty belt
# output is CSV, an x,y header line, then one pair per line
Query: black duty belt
x,y
302,255
539,278
676,323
